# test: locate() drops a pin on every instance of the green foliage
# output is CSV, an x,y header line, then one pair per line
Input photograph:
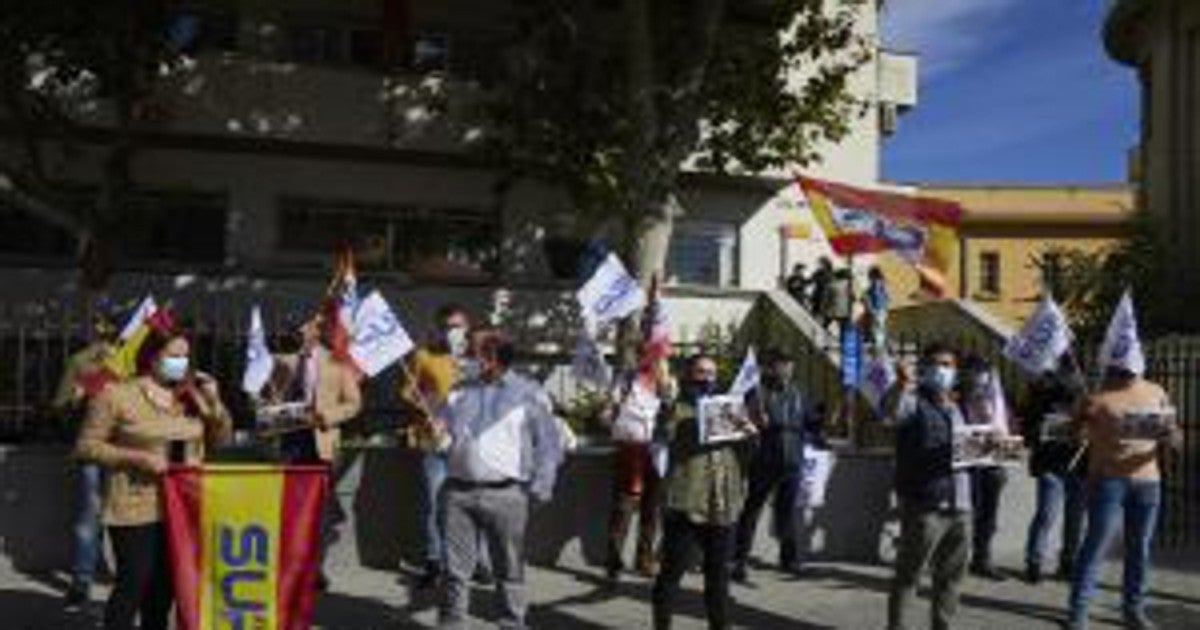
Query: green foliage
x,y
584,413
1088,285
763,89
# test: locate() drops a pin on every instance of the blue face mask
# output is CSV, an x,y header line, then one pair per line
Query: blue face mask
x,y
172,369
940,378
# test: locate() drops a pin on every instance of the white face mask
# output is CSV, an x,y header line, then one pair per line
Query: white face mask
x,y
456,341
940,378
470,369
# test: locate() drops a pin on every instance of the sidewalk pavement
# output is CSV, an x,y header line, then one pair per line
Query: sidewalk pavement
x,y
830,596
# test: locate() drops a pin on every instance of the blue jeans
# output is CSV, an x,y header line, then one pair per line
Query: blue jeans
x,y
433,476
86,530
1110,499
1055,492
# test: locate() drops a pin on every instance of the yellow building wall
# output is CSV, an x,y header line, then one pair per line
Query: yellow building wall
x,y
1020,280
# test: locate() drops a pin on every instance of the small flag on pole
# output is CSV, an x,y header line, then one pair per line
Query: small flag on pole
x,y
1122,348
748,375
1042,340
610,294
378,339
259,361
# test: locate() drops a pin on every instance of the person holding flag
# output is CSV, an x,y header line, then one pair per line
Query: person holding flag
x,y
778,464
431,373
1124,479
329,389
70,403
169,413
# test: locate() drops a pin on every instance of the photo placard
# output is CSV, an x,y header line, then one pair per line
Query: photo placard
x,y
722,419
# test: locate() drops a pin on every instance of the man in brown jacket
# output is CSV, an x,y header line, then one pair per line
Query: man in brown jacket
x,y
331,390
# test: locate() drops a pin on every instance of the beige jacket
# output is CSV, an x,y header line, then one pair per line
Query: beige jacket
x,y
338,397
122,418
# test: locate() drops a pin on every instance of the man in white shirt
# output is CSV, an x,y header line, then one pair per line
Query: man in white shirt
x,y
504,449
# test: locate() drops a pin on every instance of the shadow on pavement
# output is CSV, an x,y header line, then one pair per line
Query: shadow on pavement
x,y
29,610
690,603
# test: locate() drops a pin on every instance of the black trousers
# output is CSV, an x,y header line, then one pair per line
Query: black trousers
x,y
767,479
143,583
680,537
987,482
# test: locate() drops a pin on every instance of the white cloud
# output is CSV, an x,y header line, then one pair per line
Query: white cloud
x,y
947,34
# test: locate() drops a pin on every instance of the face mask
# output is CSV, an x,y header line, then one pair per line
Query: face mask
x,y
470,369
939,378
456,341
172,369
704,388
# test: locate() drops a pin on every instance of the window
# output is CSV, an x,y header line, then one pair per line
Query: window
x,y
315,44
24,236
989,273
157,226
703,253
174,226
431,52
390,236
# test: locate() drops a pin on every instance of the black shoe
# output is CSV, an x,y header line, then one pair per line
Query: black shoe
x,y
1064,572
429,578
76,599
738,574
322,582
792,568
1033,574
483,576
987,571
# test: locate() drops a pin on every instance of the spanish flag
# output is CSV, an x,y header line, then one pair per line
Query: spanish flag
x,y
921,230
244,544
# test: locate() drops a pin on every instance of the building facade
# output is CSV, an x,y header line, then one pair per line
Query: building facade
x,y
1160,40
1009,237
299,124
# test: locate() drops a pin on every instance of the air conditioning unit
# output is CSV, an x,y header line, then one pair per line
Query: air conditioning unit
x,y
887,118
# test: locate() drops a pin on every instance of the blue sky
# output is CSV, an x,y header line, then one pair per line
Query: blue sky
x,y
1010,91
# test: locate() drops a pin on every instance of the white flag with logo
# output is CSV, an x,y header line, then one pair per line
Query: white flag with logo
x,y
610,294
1122,348
378,339
145,309
877,378
1042,340
259,361
748,375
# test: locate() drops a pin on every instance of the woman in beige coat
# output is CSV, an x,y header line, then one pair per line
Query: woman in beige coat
x,y
168,413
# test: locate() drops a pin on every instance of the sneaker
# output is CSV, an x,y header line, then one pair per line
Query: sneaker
x,y
1033,574
1139,621
1075,624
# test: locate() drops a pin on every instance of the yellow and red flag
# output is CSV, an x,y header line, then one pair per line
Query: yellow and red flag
x,y
921,230
339,305
244,543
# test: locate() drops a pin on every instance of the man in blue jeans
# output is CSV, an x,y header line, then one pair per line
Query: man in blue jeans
x,y
1124,487
80,381
1055,463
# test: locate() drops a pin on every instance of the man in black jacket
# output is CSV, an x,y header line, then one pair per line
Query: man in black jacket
x,y
777,465
1057,464
935,502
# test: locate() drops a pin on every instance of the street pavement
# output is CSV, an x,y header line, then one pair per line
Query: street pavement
x,y
578,598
